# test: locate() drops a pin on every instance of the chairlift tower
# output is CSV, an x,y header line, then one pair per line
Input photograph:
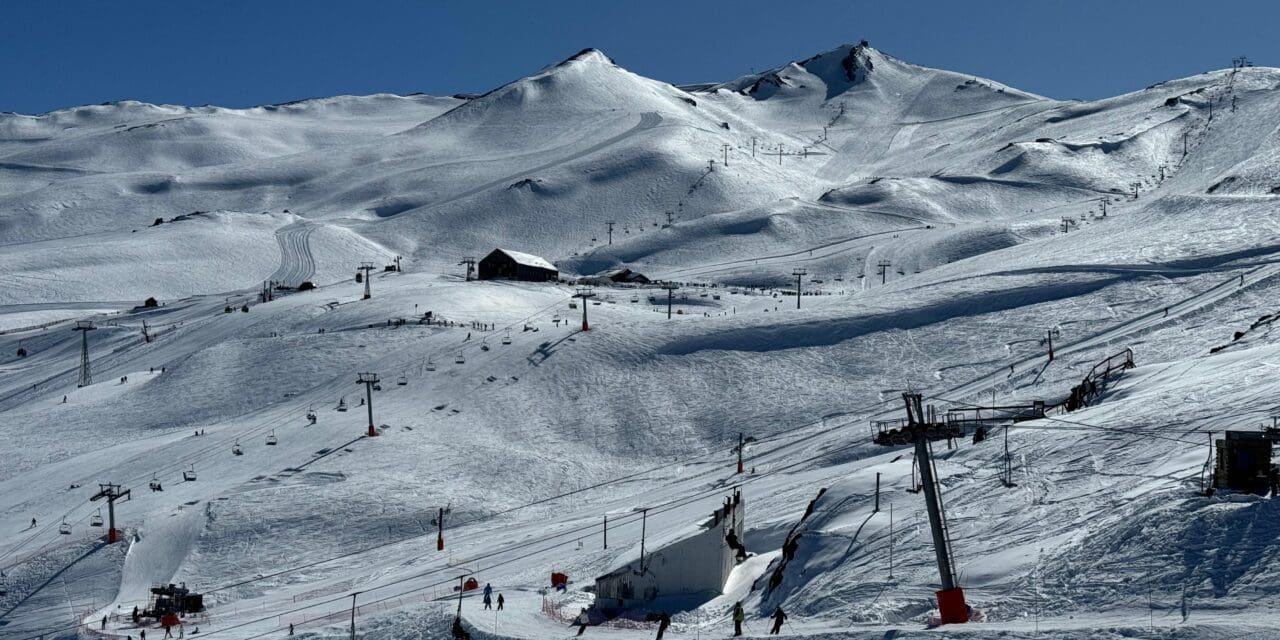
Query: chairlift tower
x,y
584,293
883,266
84,327
110,492
671,290
439,522
366,267
368,380
470,261
920,429
798,273
609,225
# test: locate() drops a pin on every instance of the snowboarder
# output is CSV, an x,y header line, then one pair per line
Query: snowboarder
x,y
501,601
664,621
738,617
778,618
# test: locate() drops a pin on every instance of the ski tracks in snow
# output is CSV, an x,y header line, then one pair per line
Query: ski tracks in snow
x,y
297,265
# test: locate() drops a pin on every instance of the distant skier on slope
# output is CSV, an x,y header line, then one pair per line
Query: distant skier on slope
x,y
778,618
738,617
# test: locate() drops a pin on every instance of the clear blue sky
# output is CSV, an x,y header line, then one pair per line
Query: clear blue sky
x,y
55,54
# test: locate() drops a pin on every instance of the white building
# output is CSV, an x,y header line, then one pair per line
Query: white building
x,y
691,564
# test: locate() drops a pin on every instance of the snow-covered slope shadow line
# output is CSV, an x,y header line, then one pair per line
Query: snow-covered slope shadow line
x,y
830,332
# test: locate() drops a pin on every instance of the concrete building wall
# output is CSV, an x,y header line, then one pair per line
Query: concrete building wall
x,y
697,565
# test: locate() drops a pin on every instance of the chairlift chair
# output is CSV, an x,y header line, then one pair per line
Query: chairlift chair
x,y
431,365
236,450
271,439
402,380
377,387
189,475
484,345
507,338
460,359
64,528
155,483
342,404
96,519
311,416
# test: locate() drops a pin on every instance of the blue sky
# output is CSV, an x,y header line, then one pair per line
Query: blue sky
x,y
55,54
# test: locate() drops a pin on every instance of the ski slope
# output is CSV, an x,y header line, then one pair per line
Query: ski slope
x,y
1136,222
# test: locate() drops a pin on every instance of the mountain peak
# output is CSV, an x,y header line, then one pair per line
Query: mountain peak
x,y
589,55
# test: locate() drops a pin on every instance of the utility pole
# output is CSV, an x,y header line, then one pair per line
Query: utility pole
x,y
470,261
368,380
883,266
1104,207
1184,142
671,291
743,441
610,226
366,267
753,146
353,615
84,327
1050,342
111,492
461,584
606,531
799,274
584,293
725,147
877,509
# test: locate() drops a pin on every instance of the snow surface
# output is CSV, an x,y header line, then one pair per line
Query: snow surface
x,y
987,203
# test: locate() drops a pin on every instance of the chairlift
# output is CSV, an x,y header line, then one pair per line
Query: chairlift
x,y
342,404
64,528
189,475
96,519
311,416
460,359
507,338
271,439
236,450
635,298
155,483
4,585
402,380
377,386
431,365
484,345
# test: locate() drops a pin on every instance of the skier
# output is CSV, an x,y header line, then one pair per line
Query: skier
x,y
488,590
778,618
501,601
664,621
64,399
168,632
290,628
104,622
738,617
33,523
488,603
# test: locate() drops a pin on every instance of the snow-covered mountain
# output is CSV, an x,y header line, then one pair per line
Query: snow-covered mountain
x,y
947,226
